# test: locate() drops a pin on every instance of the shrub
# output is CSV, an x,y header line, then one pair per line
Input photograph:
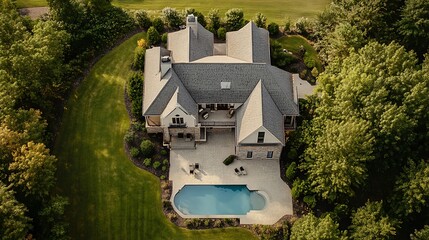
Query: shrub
x,y
229,159
135,92
303,74
147,148
260,20
166,204
138,62
153,36
314,72
142,19
199,15
273,29
156,164
213,23
218,223
221,33
158,24
292,154
278,57
291,171
164,168
310,200
188,223
309,61
206,222
162,177
165,162
164,38
147,162
129,136
287,26
134,152
163,152
304,26
172,216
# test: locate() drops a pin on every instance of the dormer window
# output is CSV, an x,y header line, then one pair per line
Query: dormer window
x,y
225,85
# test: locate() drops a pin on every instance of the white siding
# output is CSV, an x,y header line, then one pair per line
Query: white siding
x,y
188,119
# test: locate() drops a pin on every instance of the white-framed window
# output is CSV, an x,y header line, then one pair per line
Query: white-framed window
x,y
249,154
270,154
177,120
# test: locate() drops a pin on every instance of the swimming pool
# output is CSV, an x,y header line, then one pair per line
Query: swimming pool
x,y
217,200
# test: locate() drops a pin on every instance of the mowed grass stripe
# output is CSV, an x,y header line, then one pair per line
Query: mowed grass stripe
x,y
275,10
110,197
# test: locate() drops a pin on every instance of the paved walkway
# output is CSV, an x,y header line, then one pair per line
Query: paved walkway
x,y
304,88
262,175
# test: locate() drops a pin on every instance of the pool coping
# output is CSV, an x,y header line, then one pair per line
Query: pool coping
x,y
263,193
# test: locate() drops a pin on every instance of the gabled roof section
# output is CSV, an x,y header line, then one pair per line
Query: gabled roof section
x,y
203,81
190,44
173,88
183,100
258,111
250,44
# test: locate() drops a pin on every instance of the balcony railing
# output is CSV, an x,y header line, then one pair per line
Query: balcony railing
x,y
213,123
183,125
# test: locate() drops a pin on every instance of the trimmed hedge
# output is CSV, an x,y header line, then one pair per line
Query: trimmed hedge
x,y
229,159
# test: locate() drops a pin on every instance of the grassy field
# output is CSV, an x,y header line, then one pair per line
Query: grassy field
x,y
275,10
110,197
293,42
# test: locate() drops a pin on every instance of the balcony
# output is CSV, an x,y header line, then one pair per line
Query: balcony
x,y
219,118
175,125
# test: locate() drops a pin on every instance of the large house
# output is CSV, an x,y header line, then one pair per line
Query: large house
x,y
196,86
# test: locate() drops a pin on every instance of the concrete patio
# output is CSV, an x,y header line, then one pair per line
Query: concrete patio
x,y
262,175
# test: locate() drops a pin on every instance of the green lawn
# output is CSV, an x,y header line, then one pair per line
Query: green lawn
x,y
293,42
110,197
275,10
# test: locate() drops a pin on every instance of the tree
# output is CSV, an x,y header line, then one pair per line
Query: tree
x,y
13,222
260,20
414,25
412,188
213,23
147,148
336,162
422,234
158,24
304,26
142,19
29,123
153,36
172,18
52,219
273,29
234,19
311,227
221,33
33,169
369,222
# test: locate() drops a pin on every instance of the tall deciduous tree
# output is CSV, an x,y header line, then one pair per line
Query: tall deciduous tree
x,y
234,19
414,25
260,20
13,222
172,17
311,227
336,162
369,222
33,169
422,234
412,188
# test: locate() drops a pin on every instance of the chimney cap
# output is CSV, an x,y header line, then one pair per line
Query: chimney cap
x,y
191,18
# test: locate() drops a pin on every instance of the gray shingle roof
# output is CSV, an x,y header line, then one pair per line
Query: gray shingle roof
x,y
166,93
188,45
202,80
259,110
250,44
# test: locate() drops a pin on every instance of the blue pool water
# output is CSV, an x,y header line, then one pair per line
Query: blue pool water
x,y
217,200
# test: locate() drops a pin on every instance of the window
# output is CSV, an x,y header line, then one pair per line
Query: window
x,y
249,154
178,120
261,136
270,154
288,120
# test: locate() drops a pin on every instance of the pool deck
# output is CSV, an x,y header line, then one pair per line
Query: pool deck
x,y
262,175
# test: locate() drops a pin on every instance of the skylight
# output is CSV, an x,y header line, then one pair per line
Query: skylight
x,y
225,85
